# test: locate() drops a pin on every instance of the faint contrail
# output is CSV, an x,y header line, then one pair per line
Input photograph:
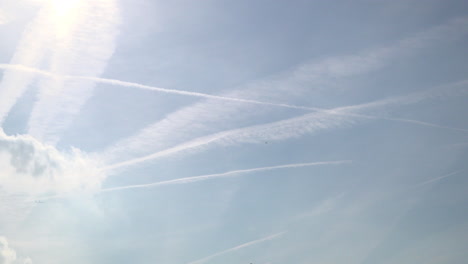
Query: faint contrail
x,y
248,244
440,178
233,173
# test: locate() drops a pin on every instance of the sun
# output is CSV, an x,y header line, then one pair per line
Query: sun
x,y
63,8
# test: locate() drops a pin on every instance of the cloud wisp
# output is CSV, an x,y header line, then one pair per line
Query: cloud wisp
x,y
30,53
248,244
234,173
80,37
82,45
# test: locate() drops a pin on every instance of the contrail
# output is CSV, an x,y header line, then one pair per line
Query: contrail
x,y
440,178
233,173
23,68
333,111
248,244
282,125
292,127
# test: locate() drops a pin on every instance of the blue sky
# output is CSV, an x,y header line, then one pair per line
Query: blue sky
x,y
233,131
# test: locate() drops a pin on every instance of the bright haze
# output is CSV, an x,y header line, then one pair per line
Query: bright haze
x,y
250,131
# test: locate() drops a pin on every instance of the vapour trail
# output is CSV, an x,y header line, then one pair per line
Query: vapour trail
x,y
440,178
19,67
335,111
302,80
293,127
248,244
233,173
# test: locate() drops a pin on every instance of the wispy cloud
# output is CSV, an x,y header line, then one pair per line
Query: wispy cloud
x,y
233,173
29,52
83,43
80,38
248,244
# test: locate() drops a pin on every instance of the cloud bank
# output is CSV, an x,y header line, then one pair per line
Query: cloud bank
x,y
8,255
30,167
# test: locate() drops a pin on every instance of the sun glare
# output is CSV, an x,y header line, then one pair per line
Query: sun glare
x,y
64,8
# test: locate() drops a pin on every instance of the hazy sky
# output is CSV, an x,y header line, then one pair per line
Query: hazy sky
x,y
264,132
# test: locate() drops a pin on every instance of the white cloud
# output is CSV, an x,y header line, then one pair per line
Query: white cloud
x,y
30,167
8,255
4,19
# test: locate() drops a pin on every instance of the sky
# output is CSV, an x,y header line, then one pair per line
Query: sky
x,y
263,132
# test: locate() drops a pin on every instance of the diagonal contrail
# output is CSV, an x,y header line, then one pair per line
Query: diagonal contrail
x,y
344,111
248,244
440,178
233,173
294,127
23,68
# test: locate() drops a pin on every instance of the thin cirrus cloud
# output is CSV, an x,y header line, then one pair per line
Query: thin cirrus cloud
x,y
199,117
80,38
29,52
82,48
239,247
47,122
